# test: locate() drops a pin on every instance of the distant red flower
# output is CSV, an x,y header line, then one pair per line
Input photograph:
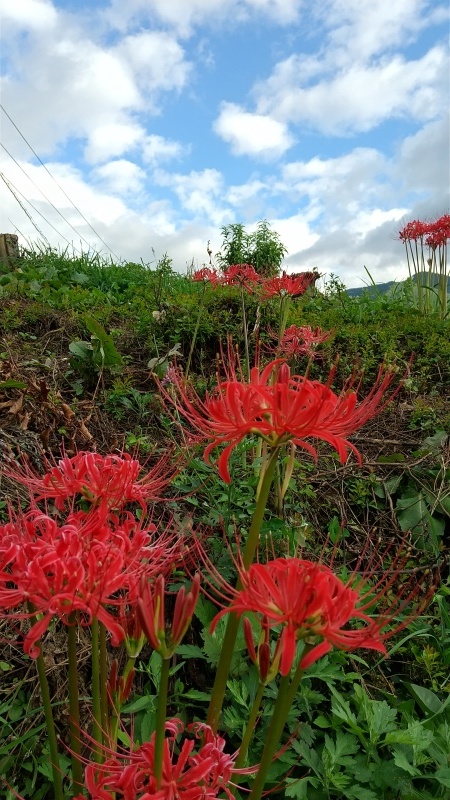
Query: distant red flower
x,y
310,603
207,275
292,285
301,341
201,771
413,230
241,275
438,233
110,480
279,407
151,614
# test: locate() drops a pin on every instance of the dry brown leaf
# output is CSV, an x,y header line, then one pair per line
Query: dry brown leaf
x,y
16,406
68,413
25,420
85,433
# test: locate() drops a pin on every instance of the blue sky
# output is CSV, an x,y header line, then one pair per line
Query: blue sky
x,y
164,120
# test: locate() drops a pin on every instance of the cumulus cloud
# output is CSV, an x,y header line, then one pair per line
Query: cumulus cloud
x,y
28,14
121,176
185,15
254,135
359,97
157,149
157,60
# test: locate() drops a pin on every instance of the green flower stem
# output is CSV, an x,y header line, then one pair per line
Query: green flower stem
x,y
250,728
286,695
116,708
50,724
244,324
161,711
226,653
258,516
104,708
74,705
197,325
96,694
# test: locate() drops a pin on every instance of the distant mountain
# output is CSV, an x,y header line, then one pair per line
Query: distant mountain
x,y
382,288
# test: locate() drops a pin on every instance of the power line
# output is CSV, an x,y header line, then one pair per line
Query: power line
x,y
58,185
9,184
45,196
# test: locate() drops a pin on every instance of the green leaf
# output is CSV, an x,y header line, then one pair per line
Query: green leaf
x,y
190,651
12,384
82,350
401,761
427,700
147,701
443,776
195,694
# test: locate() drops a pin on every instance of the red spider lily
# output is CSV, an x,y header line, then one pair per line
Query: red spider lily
x,y
207,275
279,407
413,230
310,603
109,480
150,610
241,275
79,566
292,285
438,232
199,771
301,341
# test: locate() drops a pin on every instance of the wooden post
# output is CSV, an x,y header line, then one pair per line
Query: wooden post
x,y
9,252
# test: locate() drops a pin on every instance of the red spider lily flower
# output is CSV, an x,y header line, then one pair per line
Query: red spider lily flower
x,y
300,341
279,407
267,666
150,610
207,275
438,232
243,275
199,771
111,480
292,285
310,603
413,230
81,566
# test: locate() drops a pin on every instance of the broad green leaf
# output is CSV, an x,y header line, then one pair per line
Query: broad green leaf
x,y
427,700
443,776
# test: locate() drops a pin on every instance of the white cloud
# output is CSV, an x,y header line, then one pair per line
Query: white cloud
x,y
121,176
423,161
157,60
199,192
254,135
185,15
28,14
359,97
112,139
157,149
360,29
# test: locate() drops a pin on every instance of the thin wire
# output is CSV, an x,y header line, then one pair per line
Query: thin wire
x,y
45,196
9,184
58,185
6,182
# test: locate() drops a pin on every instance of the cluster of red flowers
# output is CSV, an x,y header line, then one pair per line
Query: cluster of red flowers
x,y
245,275
300,341
279,407
434,234
288,285
85,564
198,771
